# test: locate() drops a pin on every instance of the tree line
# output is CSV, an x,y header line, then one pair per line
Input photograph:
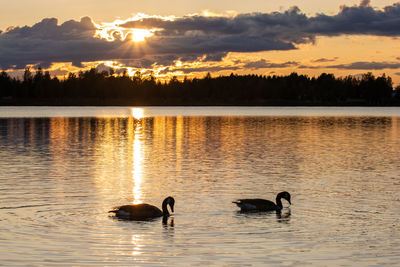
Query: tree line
x,y
93,87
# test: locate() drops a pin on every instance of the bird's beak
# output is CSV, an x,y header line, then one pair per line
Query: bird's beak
x,y
172,208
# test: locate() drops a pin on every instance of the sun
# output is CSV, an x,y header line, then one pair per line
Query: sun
x,y
139,35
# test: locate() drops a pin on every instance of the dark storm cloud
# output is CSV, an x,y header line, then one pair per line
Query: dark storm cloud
x,y
190,38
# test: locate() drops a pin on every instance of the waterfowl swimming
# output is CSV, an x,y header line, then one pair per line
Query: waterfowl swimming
x,y
258,204
144,211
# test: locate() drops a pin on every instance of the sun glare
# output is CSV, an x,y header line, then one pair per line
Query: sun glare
x,y
139,35
137,113
112,31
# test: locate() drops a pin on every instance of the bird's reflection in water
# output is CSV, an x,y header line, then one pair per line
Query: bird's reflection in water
x,y
168,224
283,216
139,221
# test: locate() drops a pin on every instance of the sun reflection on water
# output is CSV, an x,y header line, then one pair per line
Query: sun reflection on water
x,y
136,242
137,162
85,166
137,113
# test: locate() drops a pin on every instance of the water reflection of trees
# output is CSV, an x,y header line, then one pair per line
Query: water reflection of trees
x,y
231,146
225,135
93,87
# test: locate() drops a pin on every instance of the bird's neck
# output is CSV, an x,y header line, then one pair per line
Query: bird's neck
x,y
165,208
279,203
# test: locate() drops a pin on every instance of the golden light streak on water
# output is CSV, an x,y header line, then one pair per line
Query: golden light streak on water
x,y
137,113
137,164
136,245
62,175
179,135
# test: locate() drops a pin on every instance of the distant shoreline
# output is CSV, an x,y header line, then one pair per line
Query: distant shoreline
x,y
93,88
130,103
138,112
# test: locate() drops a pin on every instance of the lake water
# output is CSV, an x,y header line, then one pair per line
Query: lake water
x,y
63,169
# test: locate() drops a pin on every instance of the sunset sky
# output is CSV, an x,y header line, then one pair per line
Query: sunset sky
x,y
191,38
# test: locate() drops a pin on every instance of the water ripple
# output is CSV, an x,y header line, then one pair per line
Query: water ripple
x,y
61,176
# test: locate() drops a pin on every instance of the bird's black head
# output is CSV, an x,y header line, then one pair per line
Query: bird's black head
x,y
171,203
285,195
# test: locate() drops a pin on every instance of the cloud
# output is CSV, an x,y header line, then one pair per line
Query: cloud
x,y
58,72
365,3
190,38
238,65
363,65
309,67
323,60
359,65
47,42
264,64
362,19
200,69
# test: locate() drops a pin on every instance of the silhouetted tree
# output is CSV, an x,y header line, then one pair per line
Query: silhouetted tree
x,y
6,85
94,87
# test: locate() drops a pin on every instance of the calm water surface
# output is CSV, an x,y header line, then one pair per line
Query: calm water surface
x,y
63,169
